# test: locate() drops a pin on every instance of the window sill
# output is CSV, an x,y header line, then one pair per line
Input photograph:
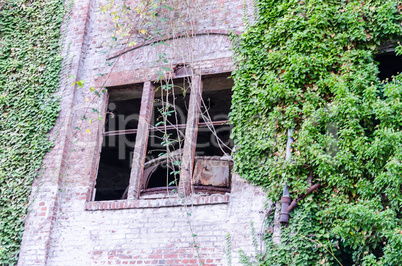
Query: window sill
x,y
174,201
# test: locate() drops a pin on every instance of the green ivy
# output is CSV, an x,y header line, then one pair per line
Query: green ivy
x,y
309,66
30,63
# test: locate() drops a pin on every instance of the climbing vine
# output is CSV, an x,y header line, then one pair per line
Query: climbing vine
x,y
30,62
308,69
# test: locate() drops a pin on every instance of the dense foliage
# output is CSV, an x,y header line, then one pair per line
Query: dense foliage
x,y
309,66
29,75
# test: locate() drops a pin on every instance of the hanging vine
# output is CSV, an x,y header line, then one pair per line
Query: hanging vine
x,y
309,67
171,24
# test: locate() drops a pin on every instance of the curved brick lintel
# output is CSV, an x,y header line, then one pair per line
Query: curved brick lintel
x,y
155,203
177,36
134,76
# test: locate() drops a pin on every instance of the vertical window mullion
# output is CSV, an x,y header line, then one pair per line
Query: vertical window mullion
x,y
190,142
140,148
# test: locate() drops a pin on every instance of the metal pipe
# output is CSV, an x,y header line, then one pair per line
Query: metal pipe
x,y
292,206
285,200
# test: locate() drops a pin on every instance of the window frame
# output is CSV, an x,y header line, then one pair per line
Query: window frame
x,y
143,131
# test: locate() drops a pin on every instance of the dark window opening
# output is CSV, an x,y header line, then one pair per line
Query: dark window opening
x,y
163,144
114,167
118,144
212,164
171,103
166,137
164,153
164,176
213,137
214,141
389,65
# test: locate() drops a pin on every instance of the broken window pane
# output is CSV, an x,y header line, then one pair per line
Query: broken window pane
x,y
166,136
118,144
114,167
212,164
213,130
164,153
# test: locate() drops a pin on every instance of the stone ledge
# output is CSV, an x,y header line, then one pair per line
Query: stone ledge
x,y
155,203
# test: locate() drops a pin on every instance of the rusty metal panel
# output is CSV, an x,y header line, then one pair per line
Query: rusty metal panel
x,y
212,172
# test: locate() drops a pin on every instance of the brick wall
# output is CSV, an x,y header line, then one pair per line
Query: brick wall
x,y
65,228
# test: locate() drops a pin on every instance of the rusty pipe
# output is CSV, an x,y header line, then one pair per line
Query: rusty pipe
x,y
284,210
285,200
312,188
292,206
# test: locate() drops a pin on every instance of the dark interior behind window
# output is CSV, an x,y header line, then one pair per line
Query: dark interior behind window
x,y
118,144
389,65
